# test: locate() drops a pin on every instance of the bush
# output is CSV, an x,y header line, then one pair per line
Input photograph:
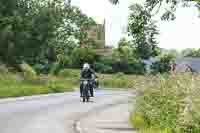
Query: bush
x,y
102,68
69,73
28,72
106,60
169,103
81,55
42,68
136,67
55,69
3,69
118,80
119,75
138,121
57,85
64,60
109,65
163,65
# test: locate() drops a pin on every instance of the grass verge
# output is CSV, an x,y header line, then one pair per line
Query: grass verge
x,y
13,85
167,104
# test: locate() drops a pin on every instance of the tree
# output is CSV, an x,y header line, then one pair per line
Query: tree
x,y
123,53
125,60
163,65
40,32
81,55
190,52
71,34
154,6
26,28
143,31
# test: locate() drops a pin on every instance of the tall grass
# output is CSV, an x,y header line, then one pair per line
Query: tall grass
x,y
168,104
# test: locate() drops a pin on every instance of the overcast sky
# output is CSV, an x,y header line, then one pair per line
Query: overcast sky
x,y
179,34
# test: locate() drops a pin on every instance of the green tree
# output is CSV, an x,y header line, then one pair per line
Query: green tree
x,y
191,52
143,31
125,60
123,53
81,55
70,34
40,32
26,28
154,6
163,65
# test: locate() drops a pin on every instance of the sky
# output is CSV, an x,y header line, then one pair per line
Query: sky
x,y
179,34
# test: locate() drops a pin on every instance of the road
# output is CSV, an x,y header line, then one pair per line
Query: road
x,y
65,113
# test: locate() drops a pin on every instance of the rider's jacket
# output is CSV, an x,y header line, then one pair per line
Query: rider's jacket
x,y
87,74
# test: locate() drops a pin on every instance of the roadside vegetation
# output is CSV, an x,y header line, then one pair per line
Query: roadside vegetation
x,y
28,83
167,104
43,45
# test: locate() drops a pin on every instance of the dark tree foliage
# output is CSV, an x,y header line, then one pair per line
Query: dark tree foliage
x,y
39,31
143,31
154,6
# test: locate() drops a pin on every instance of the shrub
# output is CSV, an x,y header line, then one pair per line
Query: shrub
x,y
82,55
138,121
136,67
69,73
163,65
102,68
118,80
119,75
3,69
42,68
58,85
28,72
63,60
169,103
55,69
106,60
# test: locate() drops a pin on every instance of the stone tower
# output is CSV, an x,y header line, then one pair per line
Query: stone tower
x,y
97,33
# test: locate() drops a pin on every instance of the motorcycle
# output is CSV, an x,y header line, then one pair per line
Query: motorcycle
x,y
86,89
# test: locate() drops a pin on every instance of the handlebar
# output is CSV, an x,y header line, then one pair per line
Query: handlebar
x,y
86,79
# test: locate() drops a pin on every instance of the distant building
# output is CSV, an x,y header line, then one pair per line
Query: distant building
x,y
97,33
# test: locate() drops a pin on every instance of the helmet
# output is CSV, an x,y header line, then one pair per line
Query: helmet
x,y
86,66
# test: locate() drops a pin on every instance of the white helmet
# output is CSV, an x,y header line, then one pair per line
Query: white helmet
x,y
86,66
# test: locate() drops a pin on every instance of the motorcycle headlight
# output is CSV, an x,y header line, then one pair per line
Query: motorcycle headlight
x,y
85,82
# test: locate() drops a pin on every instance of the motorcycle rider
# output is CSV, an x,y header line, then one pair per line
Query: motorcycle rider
x,y
87,73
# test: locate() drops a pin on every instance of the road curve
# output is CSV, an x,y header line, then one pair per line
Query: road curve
x,y
56,113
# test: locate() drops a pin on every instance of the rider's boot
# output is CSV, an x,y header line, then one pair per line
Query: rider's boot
x,y
81,91
91,92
